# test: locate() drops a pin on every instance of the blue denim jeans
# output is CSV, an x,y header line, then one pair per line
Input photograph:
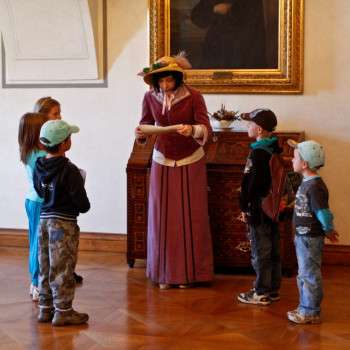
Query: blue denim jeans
x,y
265,256
33,212
309,255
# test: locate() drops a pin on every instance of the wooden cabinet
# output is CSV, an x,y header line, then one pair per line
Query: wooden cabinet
x,y
226,156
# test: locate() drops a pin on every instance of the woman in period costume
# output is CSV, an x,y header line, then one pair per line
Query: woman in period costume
x,y
179,247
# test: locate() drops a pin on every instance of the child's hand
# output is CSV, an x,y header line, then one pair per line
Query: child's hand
x,y
185,130
333,236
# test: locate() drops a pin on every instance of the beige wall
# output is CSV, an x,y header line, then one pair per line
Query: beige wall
x,y
107,116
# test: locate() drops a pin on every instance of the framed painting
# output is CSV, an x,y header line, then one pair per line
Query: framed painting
x,y
234,46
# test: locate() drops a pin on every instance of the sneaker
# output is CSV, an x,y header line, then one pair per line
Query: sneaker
x,y
35,294
274,296
297,317
70,317
252,297
78,279
185,286
164,286
45,314
31,287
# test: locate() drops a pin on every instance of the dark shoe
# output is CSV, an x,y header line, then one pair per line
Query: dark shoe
x,y
252,297
71,317
45,314
78,278
275,296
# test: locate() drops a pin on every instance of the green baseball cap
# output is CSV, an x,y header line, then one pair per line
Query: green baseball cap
x,y
53,132
310,151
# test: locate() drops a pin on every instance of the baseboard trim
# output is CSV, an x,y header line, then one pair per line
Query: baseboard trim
x,y
335,254
97,242
116,243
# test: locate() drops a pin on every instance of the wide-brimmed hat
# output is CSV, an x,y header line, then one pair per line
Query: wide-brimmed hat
x,y
176,63
310,151
262,117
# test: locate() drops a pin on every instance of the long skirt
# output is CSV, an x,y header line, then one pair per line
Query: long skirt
x,y
179,247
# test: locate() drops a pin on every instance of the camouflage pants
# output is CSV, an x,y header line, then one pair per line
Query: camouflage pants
x,y
58,250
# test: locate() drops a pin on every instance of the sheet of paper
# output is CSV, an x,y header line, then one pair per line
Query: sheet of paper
x,y
158,130
83,174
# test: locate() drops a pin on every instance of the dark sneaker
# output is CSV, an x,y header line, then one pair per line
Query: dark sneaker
x,y
78,279
252,297
45,314
274,296
296,317
71,317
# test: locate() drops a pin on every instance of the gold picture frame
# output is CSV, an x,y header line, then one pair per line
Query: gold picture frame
x,y
286,78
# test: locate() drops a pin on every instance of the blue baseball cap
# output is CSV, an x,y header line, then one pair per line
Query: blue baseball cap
x,y
310,151
54,132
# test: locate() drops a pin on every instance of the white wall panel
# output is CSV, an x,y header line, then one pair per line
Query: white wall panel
x,y
48,41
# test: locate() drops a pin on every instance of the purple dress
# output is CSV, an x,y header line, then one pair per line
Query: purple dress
x,y
179,246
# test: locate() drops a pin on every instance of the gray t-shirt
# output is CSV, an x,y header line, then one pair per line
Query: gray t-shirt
x,y
311,197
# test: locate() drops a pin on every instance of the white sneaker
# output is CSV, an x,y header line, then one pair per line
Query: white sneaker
x,y
296,317
34,292
164,286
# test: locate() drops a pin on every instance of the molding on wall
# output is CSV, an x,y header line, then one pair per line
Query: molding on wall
x,y
100,81
335,254
97,242
116,243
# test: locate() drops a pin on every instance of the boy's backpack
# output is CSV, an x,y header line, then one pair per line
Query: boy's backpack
x,y
271,203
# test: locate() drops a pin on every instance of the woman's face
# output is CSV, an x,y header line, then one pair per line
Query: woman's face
x,y
167,84
54,113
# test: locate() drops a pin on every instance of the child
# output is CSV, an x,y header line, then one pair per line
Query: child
x,y
61,185
263,232
52,109
313,222
30,151
48,106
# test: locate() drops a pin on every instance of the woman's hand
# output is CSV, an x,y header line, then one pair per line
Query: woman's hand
x,y
185,130
139,135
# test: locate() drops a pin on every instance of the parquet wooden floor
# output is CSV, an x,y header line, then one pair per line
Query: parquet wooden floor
x,y
128,312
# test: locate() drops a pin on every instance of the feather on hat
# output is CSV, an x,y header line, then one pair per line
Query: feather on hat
x,y
176,63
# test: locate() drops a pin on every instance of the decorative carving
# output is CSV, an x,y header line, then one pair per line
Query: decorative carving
x,y
244,247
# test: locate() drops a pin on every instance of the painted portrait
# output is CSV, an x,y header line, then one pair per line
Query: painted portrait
x,y
226,34
234,46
